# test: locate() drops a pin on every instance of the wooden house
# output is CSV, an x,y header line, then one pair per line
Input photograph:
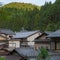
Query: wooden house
x,y
42,41
55,40
24,38
5,35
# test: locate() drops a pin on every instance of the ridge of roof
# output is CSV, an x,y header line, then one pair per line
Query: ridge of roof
x,y
24,34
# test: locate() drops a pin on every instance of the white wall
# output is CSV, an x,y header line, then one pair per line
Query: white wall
x,y
32,38
15,44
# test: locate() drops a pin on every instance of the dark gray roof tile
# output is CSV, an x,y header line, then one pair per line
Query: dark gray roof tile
x,y
27,52
24,34
7,31
55,34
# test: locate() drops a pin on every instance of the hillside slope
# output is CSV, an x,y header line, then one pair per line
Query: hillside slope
x,y
21,6
17,15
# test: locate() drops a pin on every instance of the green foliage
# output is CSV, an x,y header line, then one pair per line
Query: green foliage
x,y
17,15
43,55
18,5
2,58
14,17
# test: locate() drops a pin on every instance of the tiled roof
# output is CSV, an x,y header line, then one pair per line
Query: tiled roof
x,y
7,31
27,52
55,34
24,34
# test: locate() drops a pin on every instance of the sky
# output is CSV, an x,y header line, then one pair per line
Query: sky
x,y
35,2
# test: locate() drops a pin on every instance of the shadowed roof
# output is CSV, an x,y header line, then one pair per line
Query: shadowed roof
x,y
55,34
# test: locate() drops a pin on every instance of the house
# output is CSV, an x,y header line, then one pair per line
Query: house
x,y
24,38
42,41
55,40
5,35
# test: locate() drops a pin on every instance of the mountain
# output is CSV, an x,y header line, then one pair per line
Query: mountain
x,y
50,16
17,15
21,6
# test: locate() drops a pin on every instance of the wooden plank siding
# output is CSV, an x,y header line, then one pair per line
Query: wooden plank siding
x,y
55,43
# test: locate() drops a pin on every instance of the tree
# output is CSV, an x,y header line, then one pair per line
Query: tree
x,y
43,54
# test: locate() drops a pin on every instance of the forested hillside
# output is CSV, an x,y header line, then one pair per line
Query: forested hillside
x,y
21,6
17,15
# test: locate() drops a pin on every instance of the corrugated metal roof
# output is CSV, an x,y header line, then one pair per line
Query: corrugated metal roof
x,y
27,52
55,34
24,34
7,31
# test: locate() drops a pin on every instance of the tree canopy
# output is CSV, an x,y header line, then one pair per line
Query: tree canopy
x,y
17,15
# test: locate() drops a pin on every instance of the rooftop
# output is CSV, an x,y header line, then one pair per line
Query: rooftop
x,y
7,31
24,34
27,52
55,34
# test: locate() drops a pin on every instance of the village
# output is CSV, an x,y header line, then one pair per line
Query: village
x,y
29,29
25,45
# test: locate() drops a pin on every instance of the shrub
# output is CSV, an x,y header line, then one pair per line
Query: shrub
x,y
2,58
43,54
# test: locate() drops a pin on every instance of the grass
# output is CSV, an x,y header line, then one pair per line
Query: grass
x,y
2,58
